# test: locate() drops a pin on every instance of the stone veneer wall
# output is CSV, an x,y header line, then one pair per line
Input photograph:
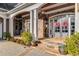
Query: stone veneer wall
x,y
40,28
26,25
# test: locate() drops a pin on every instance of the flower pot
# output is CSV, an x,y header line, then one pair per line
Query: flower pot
x,y
34,44
38,42
61,49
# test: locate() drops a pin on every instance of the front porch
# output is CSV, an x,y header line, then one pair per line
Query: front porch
x,y
47,21
51,22
40,21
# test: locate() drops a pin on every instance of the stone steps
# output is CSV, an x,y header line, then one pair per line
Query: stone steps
x,y
52,44
51,49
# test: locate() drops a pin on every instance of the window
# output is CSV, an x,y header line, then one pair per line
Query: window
x,y
72,27
72,30
72,23
65,29
57,29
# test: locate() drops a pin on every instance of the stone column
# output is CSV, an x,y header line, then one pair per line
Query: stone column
x,y
31,21
76,18
49,29
4,24
11,26
69,26
36,24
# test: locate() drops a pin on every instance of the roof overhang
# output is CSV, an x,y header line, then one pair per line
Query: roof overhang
x,y
19,7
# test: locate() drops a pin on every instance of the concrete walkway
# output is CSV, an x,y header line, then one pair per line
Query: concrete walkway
x,y
38,51
8,48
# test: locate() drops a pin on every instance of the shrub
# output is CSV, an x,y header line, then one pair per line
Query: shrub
x,y
7,35
26,37
72,44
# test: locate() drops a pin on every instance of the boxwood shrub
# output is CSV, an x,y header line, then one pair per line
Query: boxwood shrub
x,y
26,38
72,44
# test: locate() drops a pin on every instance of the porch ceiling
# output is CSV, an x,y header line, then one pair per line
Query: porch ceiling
x,y
51,9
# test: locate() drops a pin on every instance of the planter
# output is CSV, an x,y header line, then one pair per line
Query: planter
x,y
7,35
34,43
37,42
61,49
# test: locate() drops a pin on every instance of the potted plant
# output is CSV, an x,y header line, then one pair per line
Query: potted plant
x,y
7,35
26,38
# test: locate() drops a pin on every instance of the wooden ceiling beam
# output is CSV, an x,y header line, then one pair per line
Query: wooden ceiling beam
x,y
53,6
26,15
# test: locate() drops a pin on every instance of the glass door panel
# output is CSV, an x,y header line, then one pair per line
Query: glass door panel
x,y
64,26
